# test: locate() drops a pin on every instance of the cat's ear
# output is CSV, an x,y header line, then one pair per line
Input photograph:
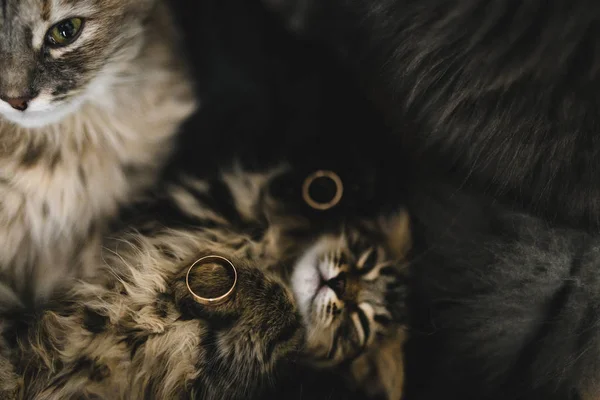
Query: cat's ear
x,y
393,230
396,229
589,391
380,372
390,366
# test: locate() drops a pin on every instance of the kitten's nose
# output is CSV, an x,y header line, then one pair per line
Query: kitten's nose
x,y
18,103
338,284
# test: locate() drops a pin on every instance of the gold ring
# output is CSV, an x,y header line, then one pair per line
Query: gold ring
x,y
339,190
214,300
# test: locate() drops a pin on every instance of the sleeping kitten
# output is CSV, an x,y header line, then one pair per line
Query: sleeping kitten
x,y
350,291
337,296
91,94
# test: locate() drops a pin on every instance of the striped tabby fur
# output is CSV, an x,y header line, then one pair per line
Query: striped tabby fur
x,y
330,298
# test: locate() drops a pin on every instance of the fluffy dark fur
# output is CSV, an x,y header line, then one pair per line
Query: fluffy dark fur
x,y
506,306
502,97
503,94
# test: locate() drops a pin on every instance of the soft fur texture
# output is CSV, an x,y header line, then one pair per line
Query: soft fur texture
x,y
504,94
505,306
262,91
268,95
136,332
503,97
342,284
100,124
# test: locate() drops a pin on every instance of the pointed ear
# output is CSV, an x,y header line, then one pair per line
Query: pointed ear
x,y
591,392
396,229
380,372
390,365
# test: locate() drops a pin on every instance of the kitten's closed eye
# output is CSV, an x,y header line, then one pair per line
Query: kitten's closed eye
x,y
342,286
65,32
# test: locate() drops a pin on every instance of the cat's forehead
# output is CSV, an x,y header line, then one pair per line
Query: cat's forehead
x,y
15,13
24,23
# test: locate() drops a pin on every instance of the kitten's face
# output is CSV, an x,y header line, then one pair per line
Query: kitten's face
x,y
56,54
350,292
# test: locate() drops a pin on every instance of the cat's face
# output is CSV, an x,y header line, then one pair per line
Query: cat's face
x,y
56,54
350,290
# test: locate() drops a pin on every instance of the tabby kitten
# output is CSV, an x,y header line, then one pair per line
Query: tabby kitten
x,y
134,332
350,289
91,94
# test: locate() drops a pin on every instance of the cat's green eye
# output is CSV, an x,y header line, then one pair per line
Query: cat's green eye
x,y
64,33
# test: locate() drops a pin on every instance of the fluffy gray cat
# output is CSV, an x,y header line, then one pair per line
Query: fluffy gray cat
x,y
91,95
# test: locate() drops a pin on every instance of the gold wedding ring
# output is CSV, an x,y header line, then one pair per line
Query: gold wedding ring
x,y
212,300
339,190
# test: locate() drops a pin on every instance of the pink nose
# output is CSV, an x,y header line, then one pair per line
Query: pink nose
x,y
18,103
